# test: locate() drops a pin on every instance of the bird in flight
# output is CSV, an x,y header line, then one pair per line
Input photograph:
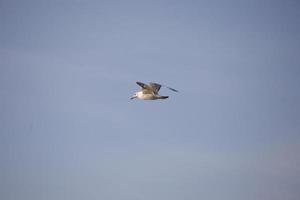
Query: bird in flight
x,y
150,91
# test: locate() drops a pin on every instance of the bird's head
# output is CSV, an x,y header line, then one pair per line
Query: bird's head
x,y
134,96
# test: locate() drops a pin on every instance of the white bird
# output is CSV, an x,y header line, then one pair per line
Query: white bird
x,y
150,91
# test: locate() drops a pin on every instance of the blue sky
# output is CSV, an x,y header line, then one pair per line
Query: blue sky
x,y
69,130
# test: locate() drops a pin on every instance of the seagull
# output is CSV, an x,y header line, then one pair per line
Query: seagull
x,y
150,91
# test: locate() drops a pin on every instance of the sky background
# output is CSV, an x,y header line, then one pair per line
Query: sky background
x,y
68,130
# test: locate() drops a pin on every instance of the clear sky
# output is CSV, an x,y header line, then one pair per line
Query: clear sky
x,y
68,130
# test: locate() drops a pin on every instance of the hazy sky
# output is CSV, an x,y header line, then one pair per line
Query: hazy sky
x,y
68,130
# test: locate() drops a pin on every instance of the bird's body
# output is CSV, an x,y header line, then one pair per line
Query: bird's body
x,y
150,91
148,96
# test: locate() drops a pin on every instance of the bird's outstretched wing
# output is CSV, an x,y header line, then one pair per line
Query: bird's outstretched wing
x,y
171,89
155,87
144,86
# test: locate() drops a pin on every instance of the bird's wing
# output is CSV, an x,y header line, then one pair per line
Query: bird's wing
x,y
171,89
144,86
146,91
155,87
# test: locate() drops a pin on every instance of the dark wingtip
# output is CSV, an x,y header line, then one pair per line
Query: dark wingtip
x,y
173,89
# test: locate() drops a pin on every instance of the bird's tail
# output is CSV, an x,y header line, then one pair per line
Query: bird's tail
x,y
163,97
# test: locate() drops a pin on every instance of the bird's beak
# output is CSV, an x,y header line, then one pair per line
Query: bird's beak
x,y
133,97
